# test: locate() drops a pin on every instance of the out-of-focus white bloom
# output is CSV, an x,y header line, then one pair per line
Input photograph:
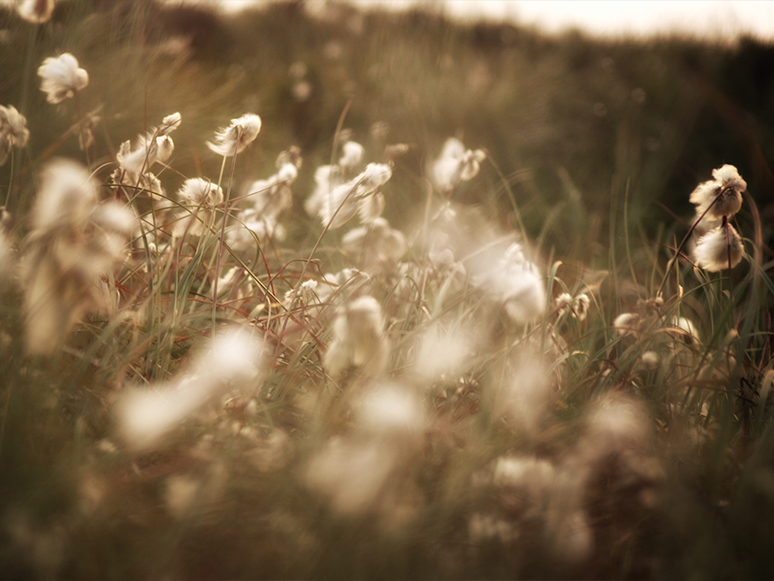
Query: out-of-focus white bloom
x,y
374,245
532,475
73,241
525,391
306,293
36,11
343,202
234,138
13,131
200,197
650,359
62,77
229,360
443,351
326,178
716,247
563,303
516,283
723,193
347,283
580,306
66,198
627,323
139,160
155,146
484,528
392,412
351,155
253,225
616,423
351,474
455,164
687,326
358,339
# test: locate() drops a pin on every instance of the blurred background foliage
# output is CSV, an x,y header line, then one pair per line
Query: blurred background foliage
x,y
573,123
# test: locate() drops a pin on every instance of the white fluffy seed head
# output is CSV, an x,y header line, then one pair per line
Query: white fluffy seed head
x,y
714,250
62,77
721,196
237,136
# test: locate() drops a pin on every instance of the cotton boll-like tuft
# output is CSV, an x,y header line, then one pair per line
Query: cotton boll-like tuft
x,y
627,323
687,325
712,249
723,193
237,136
13,131
62,77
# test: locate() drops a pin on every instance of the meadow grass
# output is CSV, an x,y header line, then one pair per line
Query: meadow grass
x,y
451,332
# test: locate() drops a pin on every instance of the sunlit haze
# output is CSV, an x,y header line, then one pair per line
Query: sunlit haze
x,y
706,18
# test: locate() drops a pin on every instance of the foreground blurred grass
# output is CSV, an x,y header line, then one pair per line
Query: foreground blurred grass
x,y
595,144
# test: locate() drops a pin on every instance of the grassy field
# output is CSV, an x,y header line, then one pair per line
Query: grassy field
x,y
346,295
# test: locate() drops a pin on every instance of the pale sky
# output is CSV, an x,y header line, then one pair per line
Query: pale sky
x,y
707,18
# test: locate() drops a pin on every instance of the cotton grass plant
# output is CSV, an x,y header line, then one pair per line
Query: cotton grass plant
x,y
189,390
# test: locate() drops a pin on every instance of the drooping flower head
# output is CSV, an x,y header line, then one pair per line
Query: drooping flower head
x,y
13,131
61,77
36,11
714,248
234,138
720,197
